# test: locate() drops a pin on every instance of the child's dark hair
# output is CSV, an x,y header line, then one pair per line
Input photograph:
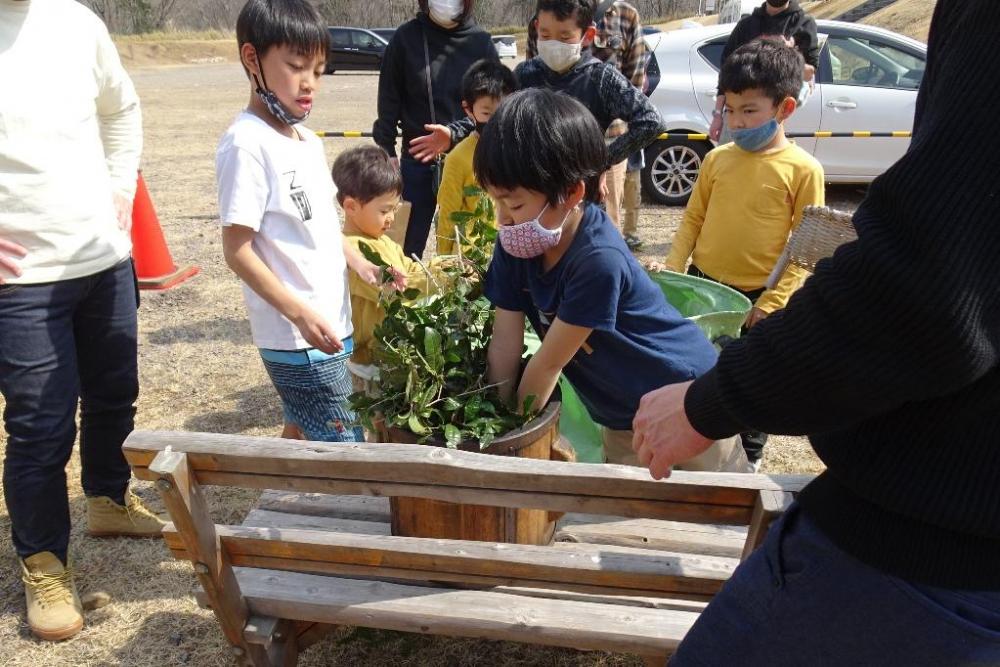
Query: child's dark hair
x,y
542,141
487,78
766,64
295,23
582,10
364,173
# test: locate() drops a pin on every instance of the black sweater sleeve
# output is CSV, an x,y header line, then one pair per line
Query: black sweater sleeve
x,y
807,41
737,38
625,101
390,83
910,312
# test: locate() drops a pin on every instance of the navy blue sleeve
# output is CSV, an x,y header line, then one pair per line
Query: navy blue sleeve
x,y
502,285
592,290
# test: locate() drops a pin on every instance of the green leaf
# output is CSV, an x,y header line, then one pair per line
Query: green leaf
x,y
416,426
472,408
452,436
529,402
371,254
411,294
432,348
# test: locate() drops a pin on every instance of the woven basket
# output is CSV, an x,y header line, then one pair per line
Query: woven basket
x,y
821,232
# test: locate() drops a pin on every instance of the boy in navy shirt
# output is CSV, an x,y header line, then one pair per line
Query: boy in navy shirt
x,y
561,263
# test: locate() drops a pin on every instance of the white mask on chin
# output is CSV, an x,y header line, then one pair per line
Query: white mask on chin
x,y
445,12
559,56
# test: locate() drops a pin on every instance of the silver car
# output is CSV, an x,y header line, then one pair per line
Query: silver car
x,y
867,81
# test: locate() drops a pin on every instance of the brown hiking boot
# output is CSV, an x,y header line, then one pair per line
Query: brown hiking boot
x,y
54,610
106,518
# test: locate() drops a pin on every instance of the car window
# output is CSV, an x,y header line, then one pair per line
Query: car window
x,y
858,61
712,52
339,39
364,40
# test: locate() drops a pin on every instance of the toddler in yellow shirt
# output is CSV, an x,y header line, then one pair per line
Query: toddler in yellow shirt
x,y
483,86
369,187
750,194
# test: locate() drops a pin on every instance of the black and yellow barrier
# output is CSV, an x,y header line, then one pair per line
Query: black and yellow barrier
x,y
355,134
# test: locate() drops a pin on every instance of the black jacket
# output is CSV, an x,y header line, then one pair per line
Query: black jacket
x,y
889,355
607,93
793,22
402,83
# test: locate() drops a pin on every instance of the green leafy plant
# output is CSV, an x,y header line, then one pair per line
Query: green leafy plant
x,y
431,352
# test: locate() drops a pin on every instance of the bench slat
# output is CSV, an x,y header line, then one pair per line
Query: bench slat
x,y
586,502
472,563
418,464
654,534
355,508
377,604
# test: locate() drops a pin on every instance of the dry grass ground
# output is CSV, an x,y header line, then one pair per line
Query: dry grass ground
x,y
199,372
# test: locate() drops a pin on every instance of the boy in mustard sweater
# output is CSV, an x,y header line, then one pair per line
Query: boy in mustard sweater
x,y
483,86
369,187
750,193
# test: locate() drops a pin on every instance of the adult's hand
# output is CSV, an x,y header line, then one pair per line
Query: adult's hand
x,y
10,251
602,190
715,130
755,316
429,146
663,434
123,211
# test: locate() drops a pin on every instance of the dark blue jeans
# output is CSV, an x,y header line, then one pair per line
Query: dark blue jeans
x,y
62,343
418,189
800,600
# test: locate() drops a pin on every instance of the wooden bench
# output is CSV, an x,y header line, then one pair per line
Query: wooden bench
x,y
633,564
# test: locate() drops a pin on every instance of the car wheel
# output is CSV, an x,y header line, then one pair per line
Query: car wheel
x,y
672,167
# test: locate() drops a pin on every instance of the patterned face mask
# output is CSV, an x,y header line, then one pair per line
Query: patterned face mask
x,y
530,239
274,105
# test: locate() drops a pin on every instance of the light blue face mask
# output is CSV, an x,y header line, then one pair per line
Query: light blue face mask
x,y
754,139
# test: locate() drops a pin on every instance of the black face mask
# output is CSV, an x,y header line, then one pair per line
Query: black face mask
x,y
777,3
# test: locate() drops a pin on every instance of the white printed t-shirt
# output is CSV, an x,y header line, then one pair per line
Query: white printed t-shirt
x,y
282,189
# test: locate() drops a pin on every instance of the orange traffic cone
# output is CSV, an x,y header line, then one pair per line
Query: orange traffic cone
x,y
153,264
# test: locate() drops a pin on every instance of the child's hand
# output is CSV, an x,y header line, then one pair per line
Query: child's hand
x,y
755,316
656,267
398,279
317,331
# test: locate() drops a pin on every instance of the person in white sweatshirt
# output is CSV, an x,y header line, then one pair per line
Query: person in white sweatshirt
x,y
70,139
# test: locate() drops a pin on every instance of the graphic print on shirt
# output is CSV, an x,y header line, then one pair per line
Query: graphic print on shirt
x,y
299,197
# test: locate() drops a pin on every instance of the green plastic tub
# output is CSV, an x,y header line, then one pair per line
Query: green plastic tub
x,y
716,309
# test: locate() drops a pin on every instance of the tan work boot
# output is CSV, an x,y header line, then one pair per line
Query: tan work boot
x,y
54,610
106,518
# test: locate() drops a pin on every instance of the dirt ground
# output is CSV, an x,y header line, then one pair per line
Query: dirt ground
x,y
199,372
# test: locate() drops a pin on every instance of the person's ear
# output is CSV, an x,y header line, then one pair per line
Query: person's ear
x,y
351,205
575,195
250,59
787,108
589,34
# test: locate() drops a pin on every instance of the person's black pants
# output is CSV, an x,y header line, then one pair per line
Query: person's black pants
x,y
753,441
418,189
62,343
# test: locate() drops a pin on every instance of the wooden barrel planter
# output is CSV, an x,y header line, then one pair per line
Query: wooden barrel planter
x,y
421,517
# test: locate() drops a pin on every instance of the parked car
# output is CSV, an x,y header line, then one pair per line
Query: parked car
x,y
354,49
384,33
867,81
506,46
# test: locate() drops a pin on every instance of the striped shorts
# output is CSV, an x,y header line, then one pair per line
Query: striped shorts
x,y
314,387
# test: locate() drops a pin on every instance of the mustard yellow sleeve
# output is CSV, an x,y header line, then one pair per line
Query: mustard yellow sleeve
x,y
449,201
686,236
810,192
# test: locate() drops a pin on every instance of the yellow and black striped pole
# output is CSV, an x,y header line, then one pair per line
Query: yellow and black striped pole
x,y
357,134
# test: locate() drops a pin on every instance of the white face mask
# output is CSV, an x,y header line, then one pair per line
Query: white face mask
x,y
559,56
445,12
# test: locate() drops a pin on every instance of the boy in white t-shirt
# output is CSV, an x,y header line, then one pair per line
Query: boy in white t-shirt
x,y
280,230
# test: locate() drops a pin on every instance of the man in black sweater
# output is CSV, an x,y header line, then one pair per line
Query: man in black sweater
x,y
889,357
774,18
